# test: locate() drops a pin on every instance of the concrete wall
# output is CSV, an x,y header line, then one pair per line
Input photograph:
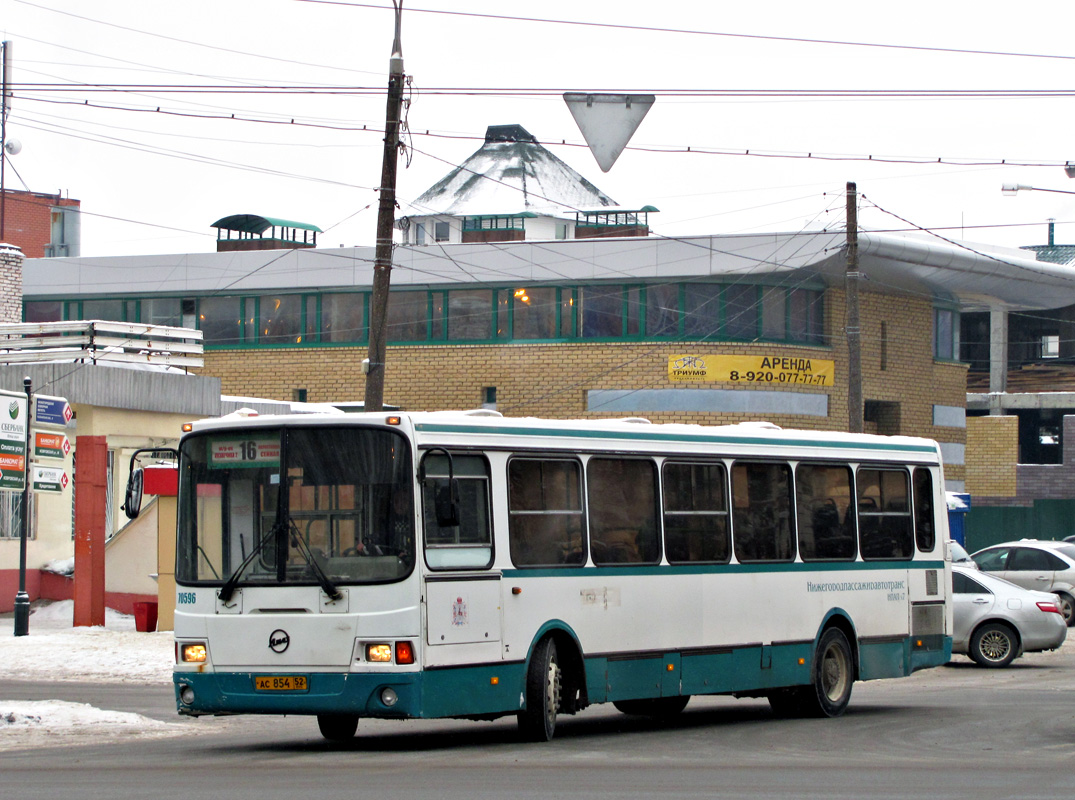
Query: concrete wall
x,y
10,283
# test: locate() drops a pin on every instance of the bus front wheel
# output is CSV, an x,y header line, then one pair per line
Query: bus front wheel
x,y
537,723
337,727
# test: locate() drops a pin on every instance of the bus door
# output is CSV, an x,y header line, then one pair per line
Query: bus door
x,y
462,593
463,609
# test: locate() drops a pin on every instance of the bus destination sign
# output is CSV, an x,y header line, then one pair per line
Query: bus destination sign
x,y
772,370
244,453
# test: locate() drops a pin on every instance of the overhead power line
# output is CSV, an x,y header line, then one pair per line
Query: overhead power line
x,y
508,91
692,32
956,161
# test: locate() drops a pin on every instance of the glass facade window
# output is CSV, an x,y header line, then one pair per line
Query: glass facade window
x,y
470,314
691,311
407,315
162,311
43,311
220,320
701,310
343,317
741,312
601,312
111,310
534,313
945,334
773,313
805,316
280,319
662,310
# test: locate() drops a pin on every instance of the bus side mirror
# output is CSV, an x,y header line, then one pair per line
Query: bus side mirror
x,y
132,503
446,502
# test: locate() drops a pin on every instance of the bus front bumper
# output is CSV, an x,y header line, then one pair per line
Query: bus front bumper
x,y
392,696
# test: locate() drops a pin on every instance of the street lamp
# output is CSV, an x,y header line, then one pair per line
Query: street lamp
x,y
1011,189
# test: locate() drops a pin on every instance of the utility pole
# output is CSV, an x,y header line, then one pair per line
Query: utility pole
x,y
5,103
386,220
853,329
22,599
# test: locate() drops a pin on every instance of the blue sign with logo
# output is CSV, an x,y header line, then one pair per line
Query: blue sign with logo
x,y
51,410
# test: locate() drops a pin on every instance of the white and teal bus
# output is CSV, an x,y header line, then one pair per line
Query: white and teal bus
x,y
468,565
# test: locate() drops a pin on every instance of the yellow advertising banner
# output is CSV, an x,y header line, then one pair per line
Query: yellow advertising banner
x,y
768,370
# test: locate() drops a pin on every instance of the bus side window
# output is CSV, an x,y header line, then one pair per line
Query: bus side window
x,y
695,513
761,512
545,512
826,526
622,504
884,514
924,526
468,545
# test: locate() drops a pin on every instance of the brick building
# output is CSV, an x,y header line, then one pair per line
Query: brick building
x,y
42,225
583,328
520,286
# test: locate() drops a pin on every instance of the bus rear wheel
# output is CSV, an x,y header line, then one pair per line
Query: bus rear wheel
x,y
656,707
337,727
537,723
830,689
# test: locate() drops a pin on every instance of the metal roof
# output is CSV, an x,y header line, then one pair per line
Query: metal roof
x,y
253,223
976,276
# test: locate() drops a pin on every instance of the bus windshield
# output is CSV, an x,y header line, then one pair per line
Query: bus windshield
x,y
347,514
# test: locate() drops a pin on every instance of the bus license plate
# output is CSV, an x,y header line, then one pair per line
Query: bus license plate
x,y
280,683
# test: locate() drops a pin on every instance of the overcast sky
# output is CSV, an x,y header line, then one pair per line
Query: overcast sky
x,y
154,181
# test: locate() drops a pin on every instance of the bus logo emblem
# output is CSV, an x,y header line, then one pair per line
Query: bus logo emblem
x,y
279,641
459,612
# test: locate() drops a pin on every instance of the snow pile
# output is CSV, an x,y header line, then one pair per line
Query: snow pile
x,y
50,713
54,650
61,566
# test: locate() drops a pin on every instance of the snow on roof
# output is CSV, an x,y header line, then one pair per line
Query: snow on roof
x,y
511,174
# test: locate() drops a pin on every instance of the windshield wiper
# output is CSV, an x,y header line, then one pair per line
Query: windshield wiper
x,y
228,589
327,586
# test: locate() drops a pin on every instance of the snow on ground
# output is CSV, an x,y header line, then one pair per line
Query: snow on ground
x,y
55,651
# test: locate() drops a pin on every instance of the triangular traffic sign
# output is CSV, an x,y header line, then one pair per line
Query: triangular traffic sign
x,y
608,121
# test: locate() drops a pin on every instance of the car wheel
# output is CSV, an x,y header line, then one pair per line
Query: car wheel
x,y
1067,607
993,645
657,707
337,727
537,723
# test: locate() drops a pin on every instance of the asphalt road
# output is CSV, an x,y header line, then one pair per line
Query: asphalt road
x,y
953,732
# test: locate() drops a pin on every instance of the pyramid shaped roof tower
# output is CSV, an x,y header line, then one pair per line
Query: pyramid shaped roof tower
x,y
511,173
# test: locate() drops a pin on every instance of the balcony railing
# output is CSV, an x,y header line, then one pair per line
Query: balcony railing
x,y
99,340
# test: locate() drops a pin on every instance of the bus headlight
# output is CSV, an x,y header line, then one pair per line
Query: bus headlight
x,y
193,653
186,695
389,696
381,653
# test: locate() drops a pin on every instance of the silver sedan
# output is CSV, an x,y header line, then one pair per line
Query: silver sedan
x,y
997,621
